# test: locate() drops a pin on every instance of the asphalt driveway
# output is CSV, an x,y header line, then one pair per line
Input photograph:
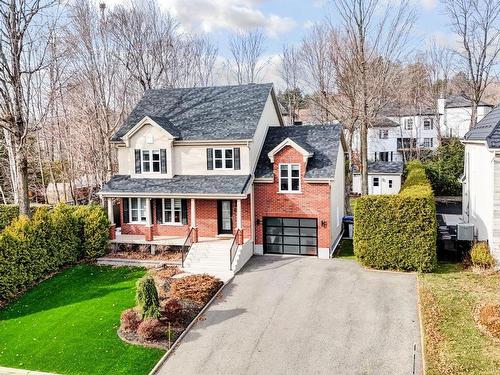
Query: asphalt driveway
x,y
291,315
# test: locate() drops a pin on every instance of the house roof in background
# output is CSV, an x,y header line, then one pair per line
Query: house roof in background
x,y
203,185
203,113
389,167
399,110
488,129
462,101
385,122
323,141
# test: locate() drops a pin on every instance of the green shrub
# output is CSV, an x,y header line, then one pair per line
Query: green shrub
x,y
481,257
31,249
95,227
7,213
398,231
147,297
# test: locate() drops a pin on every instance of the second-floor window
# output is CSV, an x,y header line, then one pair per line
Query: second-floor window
x,y
223,158
428,124
408,124
383,133
151,161
289,177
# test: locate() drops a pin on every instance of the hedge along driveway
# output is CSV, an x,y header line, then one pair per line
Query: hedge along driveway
x,y
68,325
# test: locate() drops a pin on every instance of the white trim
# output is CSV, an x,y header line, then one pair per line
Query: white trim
x,y
289,179
165,195
172,211
138,209
213,143
150,161
289,142
223,158
146,120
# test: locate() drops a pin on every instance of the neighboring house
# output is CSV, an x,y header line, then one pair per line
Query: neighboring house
x,y
217,162
481,180
403,132
383,178
78,190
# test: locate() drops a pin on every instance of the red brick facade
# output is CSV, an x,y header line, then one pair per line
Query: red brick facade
x,y
313,201
206,220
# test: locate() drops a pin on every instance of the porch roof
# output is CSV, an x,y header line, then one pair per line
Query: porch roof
x,y
209,185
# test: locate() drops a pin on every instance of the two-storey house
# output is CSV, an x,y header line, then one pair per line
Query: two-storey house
x,y
214,166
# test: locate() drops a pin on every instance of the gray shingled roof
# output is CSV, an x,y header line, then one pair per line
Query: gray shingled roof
x,y
384,122
397,110
321,140
211,184
394,167
203,113
461,101
488,129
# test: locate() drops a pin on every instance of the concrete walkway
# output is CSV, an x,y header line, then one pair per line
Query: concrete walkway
x,y
291,315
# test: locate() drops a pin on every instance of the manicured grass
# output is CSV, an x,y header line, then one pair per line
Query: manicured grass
x,y
453,342
68,325
346,250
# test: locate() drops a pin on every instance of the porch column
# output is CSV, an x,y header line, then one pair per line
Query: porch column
x,y
193,220
238,221
112,226
149,227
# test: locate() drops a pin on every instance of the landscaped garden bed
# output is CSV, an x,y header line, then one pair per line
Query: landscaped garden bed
x,y
143,252
167,302
460,314
67,324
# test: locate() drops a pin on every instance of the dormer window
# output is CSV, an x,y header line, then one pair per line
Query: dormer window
x,y
223,158
151,161
289,178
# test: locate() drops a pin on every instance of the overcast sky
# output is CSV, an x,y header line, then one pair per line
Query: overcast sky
x,y
285,21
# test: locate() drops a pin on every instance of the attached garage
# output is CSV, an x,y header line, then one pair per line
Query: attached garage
x,y
295,236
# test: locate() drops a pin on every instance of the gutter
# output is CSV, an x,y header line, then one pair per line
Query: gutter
x,y
169,195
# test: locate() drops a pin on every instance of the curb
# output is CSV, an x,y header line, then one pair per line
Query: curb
x,y
421,324
188,328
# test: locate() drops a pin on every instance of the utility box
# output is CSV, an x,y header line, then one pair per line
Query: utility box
x,y
465,232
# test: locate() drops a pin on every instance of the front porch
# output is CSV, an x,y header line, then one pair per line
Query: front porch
x,y
135,239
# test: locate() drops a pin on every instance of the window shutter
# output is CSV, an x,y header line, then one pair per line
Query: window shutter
x,y
159,211
125,210
210,159
163,160
137,161
236,154
184,211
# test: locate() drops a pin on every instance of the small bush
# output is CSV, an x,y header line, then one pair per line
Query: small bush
x,y
196,288
8,212
151,329
398,231
481,257
130,320
147,297
172,310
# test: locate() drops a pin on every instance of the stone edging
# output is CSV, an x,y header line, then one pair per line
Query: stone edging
x,y
16,371
188,328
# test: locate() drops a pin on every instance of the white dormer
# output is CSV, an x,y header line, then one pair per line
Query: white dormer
x,y
289,142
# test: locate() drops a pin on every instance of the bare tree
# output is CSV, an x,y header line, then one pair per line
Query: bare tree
x,y
477,24
290,73
22,53
246,48
376,42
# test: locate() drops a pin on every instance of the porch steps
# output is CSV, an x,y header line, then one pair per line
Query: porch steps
x,y
211,258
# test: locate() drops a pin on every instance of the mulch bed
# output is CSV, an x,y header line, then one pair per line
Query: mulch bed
x,y
488,319
146,255
192,293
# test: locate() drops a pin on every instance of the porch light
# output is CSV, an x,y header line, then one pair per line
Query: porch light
x,y
258,222
324,223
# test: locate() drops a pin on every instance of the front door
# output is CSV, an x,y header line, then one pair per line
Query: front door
x,y
224,217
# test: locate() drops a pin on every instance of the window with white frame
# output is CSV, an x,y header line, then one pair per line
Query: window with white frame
x,y
408,124
289,177
150,160
383,134
428,124
172,211
375,182
137,208
428,142
223,158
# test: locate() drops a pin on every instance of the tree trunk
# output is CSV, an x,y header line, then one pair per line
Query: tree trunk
x,y
11,152
473,115
22,175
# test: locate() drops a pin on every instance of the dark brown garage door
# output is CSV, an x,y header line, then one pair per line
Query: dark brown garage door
x,y
290,236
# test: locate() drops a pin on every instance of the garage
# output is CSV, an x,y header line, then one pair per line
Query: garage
x,y
295,236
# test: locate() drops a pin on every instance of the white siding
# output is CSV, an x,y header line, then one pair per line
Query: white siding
x,y
383,183
337,197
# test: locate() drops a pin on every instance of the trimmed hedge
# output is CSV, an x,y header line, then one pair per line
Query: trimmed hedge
x,y
31,249
398,231
8,212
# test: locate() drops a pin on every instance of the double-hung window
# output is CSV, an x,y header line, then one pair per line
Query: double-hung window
x,y
172,211
428,124
408,124
137,210
150,160
428,142
223,158
383,134
289,177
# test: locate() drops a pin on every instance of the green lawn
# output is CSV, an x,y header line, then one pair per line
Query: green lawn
x,y
68,325
346,250
453,342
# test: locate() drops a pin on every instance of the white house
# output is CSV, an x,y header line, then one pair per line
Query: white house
x,y
383,178
481,180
